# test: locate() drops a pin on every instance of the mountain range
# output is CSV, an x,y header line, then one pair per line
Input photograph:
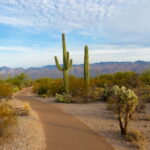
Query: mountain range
x,y
77,70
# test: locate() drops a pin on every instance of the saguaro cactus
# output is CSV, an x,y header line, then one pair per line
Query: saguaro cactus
x,y
86,69
67,64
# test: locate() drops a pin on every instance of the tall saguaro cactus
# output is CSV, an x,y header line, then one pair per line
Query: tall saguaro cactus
x,y
86,69
67,64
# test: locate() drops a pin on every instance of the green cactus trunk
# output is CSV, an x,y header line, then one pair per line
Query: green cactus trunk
x,y
66,81
67,64
86,69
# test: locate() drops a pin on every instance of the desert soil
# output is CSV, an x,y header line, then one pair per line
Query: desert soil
x,y
63,131
28,134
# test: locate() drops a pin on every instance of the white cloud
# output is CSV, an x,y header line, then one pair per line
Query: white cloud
x,y
131,24
27,57
62,15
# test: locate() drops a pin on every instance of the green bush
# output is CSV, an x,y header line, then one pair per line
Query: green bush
x,y
96,92
128,79
101,80
19,81
56,86
41,86
63,98
145,77
144,97
47,87
107,92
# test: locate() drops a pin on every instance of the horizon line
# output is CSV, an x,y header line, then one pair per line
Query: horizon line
x,y
77,64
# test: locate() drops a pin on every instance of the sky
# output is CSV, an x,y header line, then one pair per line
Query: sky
x,y
114,30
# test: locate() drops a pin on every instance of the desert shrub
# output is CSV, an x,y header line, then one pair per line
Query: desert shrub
x,y
76,86
125,102
6,90
135,136
56,86
19,81
128,79
101,80
144,97
41,86
95,92
63,98
7,117
47,87
15,89
107,92
145,77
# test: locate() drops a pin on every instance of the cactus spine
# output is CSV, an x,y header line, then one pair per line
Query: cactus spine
x,y
67,64
86,69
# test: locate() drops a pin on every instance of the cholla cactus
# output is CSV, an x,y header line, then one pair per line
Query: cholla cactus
x,y
125,101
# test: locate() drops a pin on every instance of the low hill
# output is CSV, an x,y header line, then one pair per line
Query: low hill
x,y
77,70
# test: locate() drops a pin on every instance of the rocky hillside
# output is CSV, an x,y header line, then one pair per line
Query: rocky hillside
x,y
77,70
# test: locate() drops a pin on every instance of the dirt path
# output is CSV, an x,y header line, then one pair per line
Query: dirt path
x,y
63,131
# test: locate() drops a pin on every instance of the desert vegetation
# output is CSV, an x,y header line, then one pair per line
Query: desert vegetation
x,y
125,93
8,111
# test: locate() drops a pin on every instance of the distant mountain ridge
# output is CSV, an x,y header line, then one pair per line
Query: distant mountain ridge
x,y
77,70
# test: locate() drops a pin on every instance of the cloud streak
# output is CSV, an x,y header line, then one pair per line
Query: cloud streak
x,y
123,21
62,15
28,57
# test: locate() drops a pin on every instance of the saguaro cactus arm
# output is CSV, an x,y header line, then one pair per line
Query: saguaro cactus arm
x,y
68,59
70,64
57,64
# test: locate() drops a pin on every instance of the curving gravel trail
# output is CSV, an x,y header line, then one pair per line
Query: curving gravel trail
x,y
62,130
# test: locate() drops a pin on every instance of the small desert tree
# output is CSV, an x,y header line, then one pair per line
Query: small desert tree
x,y
145,77
125,102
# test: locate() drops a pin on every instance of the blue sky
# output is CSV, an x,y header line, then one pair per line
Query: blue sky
x,y
114,30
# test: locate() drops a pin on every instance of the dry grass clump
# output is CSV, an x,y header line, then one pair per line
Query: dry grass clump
x,y
24,110
7,118
137,138
6,90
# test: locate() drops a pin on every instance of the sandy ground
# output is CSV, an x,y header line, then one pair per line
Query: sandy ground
x,y
28,134
98,118
63,131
